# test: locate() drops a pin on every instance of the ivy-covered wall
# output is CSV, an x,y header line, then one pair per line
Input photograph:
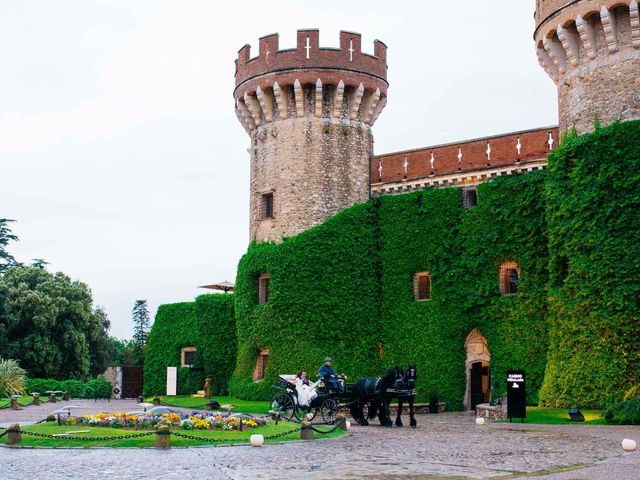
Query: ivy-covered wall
x,y
323,300
345,289
208,324
593,198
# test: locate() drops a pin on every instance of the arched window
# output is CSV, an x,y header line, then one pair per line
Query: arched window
x,y
263,288
509,277
422,286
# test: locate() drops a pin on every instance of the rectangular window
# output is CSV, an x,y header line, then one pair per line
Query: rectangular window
x,y
189,358
422,286
513,281
267,205
263,288
261,365
469,198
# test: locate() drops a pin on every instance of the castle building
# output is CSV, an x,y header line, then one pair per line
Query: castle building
x,y
467,259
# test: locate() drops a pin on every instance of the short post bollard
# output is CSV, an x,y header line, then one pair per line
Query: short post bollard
x,y
65,396
53,398
14,435
306,431
163,437
341,420
14,404
156,400
36,398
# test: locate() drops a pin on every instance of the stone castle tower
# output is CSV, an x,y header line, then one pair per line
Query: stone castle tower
x,y
309,113
591,50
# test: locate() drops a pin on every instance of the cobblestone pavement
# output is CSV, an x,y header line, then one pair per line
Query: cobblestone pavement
x,y
443,446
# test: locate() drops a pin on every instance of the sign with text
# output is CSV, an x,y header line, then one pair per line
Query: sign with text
x,y
516,394
172,380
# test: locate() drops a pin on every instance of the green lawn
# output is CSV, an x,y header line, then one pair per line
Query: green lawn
x,y
244,406
559,416
149,441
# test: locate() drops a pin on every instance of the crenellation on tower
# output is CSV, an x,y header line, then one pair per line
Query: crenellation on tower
x,y
591,50
309,113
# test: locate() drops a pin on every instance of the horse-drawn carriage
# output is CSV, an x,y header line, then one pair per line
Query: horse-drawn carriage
x,y
326,403
367,398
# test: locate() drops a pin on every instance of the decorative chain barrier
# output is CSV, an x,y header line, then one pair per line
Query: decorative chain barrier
x,y
197,407
88,439
335,427
228,440
3,433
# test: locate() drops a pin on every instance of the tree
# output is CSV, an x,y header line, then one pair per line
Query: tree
x,y
48,323
12,378
99,346
141,328
6,259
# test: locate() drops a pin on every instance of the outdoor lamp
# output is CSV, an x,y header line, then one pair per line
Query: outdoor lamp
x,y
629,445
480,421
256,440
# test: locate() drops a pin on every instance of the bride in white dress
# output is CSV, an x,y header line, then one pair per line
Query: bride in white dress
x,y
306,391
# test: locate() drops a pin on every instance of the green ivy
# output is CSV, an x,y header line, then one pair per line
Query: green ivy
x,y
207,324
593,212
345,288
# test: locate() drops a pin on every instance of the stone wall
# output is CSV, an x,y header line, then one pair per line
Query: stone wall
x,y
591,49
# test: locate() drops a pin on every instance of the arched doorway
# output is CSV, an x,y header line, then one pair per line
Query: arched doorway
x,y
477,368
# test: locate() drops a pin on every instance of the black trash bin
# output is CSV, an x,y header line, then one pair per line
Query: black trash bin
x,y
433,404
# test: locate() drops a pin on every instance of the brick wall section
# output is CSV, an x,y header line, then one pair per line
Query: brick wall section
x,y
533,146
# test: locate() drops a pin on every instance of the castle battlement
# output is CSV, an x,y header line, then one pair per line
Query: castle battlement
x,y
308,57
591,50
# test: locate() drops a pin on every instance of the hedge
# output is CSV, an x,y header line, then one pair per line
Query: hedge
x,y
94,388
208,324
593,205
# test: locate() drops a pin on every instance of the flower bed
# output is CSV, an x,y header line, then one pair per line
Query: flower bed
x,y
183,421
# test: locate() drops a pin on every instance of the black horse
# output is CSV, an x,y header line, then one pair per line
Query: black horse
x,y
405,387
372,392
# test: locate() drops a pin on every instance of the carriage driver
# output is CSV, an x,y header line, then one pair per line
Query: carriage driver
x,y
330,377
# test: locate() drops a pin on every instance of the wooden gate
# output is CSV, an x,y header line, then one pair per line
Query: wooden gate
x,y
132,382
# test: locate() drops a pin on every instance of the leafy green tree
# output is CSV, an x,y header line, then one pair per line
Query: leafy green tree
x,y
121,352
48,323
141,328
6,259
99,346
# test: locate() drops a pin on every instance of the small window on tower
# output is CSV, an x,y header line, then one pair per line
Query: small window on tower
x,y
267,205
509,278
469,198
422,286
263,288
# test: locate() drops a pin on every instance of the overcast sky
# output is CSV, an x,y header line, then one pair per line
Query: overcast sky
x,y
121,157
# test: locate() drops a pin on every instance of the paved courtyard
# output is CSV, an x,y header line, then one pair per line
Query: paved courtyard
x,y
444,446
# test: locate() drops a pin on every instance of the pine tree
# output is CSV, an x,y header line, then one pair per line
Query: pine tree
x,y
141,327
6,259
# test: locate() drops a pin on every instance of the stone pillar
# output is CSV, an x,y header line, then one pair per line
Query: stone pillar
x,y
14,435
341,421
163,437
156,400
36,398
14,404
306,431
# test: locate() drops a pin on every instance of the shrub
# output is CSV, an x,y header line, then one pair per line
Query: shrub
x,y
94,388
624,413
12,378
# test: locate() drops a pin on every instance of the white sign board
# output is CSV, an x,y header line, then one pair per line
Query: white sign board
x,y
172,380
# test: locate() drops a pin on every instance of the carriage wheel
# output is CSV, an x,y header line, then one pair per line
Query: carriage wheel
x,y
328,410
285,404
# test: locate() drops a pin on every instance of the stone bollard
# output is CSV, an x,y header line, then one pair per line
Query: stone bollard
x,y
14,404
53,398
36,399
65,396
163,437
140,399
14,436
156,400
51,418
341,421
306,431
